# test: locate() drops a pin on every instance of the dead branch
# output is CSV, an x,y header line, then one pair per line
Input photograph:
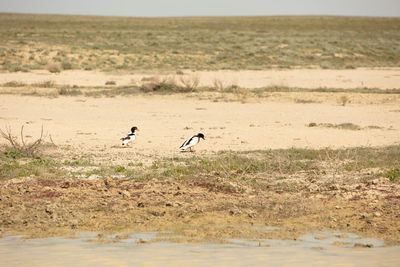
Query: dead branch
x,y
28,149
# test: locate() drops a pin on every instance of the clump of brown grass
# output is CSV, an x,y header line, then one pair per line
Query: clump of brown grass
x,y
28,149
343,100
44,84
159,84
242,94
219,85
343,126
14,84
190,83
110,83
54,68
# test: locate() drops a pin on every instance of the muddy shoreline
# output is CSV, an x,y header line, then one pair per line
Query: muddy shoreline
x,y
198,211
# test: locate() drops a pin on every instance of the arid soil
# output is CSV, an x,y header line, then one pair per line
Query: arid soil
x,y
211,208
383,78
198,210
95,125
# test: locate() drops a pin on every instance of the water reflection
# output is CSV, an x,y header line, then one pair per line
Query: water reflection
x,y
339,249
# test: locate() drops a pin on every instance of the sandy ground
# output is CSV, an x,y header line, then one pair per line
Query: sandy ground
x,y
303,78
95,124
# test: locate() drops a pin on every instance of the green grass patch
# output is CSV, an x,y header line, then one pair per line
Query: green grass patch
x,y
251,167
393,175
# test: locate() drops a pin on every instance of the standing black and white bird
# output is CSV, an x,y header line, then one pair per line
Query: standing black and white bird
x,y
130,136
192,141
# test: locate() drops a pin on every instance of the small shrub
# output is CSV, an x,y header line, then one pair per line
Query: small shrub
x,y
54,68
241,93
14,84
111,83
45,84
219,85
12,67
304,101
66,65
19,148
190,84
156,84
393,175
69,92
344,126
120,169
347,126
343,100
349,66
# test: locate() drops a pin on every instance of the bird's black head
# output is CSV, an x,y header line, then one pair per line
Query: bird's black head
x,y
200,135
134,128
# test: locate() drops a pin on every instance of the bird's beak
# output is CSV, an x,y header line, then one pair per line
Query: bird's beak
x,y
204,138
137,129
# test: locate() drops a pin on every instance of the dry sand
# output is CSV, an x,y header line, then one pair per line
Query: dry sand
x,y
94,124
303,78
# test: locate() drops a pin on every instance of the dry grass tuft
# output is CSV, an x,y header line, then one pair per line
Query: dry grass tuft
x,y
219,85
189,84
343,100
156,83
28,149
14,84
111,83
242,94
45,84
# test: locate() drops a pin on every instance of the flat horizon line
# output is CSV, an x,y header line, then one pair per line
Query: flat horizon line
x,y
199,16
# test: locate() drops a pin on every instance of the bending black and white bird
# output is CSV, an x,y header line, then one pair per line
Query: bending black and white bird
x,y
130,136
192,141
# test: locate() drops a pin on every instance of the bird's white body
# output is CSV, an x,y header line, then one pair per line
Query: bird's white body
x,y
190,142
128,138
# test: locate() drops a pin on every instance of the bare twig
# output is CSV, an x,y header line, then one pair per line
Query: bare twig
x,y
51,139
22,136
29,149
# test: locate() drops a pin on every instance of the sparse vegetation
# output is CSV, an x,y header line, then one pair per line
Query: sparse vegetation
x,y
69,92
284,187
209,43
305,101
344,126
45,84
20,147
14,84
248,167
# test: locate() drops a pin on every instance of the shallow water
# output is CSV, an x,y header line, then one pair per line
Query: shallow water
x,y
309,250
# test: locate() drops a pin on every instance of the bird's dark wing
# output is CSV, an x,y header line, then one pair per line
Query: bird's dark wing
x,y
187,141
